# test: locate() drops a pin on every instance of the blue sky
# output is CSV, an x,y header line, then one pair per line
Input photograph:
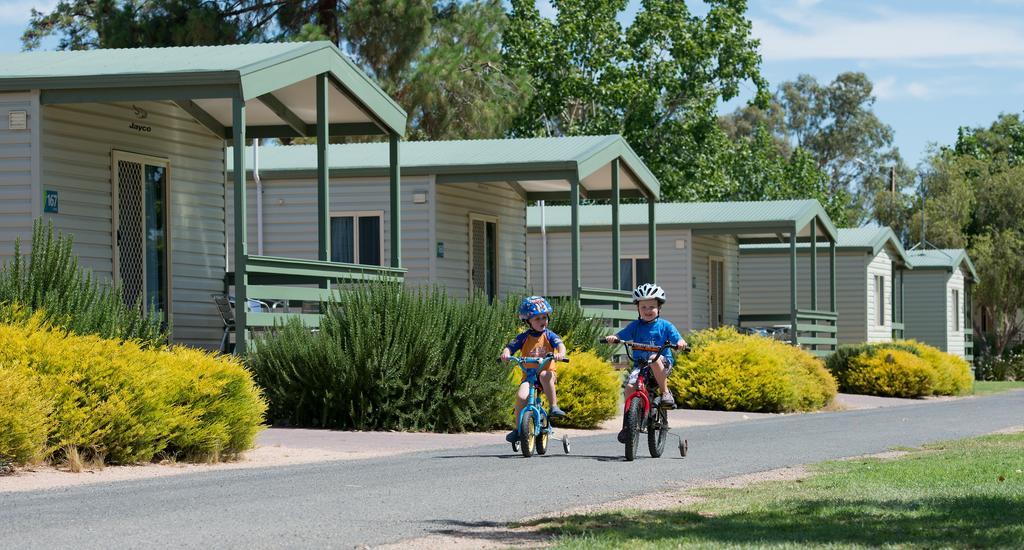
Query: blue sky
x,y
936,65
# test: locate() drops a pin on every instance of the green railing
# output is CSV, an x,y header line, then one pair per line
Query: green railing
x,y
300,284
815,330
897,331
613,300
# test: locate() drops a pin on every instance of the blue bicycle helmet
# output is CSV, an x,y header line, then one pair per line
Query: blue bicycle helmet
x,y
532,306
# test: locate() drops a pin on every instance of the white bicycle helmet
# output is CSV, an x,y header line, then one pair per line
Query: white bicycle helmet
x,y
648,291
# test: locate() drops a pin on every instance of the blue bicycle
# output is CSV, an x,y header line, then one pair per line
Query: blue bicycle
x,y
533,423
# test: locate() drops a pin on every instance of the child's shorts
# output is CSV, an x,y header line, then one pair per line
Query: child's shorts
x,y
635,373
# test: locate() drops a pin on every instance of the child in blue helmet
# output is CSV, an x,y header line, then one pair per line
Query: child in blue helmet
x,y
536,341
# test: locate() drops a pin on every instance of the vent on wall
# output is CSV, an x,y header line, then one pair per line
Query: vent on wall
x,y
17,120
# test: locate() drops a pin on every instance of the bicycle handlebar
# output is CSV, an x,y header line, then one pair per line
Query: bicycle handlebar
x,y
535,360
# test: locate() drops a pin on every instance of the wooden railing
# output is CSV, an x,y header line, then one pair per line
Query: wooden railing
x,y
969,346
897,331
291,281
815,330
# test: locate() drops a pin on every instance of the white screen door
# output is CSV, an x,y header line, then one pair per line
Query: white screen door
x,y
483,254
141,237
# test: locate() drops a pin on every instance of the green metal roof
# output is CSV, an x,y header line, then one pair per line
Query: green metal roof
x,y
942,258
868,239
254,69
584,155
744,217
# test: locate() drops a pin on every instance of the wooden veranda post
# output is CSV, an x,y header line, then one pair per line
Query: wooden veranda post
x,y
323,204
652,234
395,177
241,239
616,229
574,200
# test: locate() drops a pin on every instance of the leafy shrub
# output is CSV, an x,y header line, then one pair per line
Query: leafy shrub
x,y
23,415
1008,367
391,357
947,374
889,373
53,282
734,372
588,390
128,403
952,373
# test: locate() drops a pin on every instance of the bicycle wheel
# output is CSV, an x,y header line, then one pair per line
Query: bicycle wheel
x,y
542,437
527,441
657,432
632,424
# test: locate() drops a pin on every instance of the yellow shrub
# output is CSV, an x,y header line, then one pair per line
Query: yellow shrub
x,y
889,373
23,415
129,404
588,390
952,373
731,371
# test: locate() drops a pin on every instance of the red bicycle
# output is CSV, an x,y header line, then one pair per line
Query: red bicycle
x,y
643,411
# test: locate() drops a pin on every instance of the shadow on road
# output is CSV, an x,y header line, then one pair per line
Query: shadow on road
x,y
510,456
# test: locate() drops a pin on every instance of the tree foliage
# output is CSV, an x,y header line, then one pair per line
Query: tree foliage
x,y
656,82
975,196
836,125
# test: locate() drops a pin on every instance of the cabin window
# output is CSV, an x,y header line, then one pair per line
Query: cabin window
x,y
880,300
633,272
956,310
356,237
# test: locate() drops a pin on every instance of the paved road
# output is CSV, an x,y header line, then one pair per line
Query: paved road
x,y
345,504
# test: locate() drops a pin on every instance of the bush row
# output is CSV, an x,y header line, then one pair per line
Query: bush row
x,y
393,357
904,368
118,400
736,372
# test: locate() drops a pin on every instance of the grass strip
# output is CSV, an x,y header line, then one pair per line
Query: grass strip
x,y
957,494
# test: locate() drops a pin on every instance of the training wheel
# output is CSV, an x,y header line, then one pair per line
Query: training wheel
x,y
683,447
565,444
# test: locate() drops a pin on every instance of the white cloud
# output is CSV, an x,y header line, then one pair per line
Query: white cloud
x,y
885,88
811,33
918,90
17,12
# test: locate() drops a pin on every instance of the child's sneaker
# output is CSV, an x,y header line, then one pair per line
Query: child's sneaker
x,y
512,436
556,412
667,400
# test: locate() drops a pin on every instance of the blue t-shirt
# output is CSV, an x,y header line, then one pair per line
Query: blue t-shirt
x,y
654,333
535,344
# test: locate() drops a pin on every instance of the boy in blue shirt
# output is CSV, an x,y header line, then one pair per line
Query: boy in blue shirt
x,y
650,329
536,341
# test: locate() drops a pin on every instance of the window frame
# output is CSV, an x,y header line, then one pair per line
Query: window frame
x,y
355,215
633,261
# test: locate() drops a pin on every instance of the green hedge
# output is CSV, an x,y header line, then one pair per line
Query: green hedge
x,y
118,400
903,368
393,357
51,281
734,372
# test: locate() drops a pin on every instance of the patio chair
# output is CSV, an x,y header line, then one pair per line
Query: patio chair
x,y
226,308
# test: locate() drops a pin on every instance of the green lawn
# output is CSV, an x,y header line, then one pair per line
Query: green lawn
x,y
967,493
985,388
